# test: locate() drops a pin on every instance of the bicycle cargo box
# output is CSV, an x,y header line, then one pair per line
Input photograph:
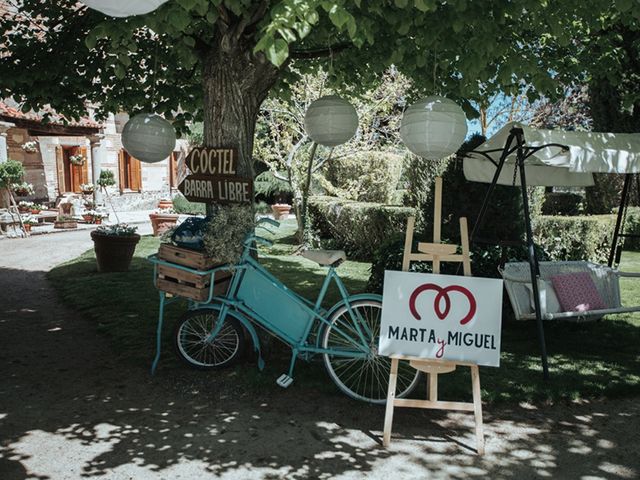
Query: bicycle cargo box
x,y
191,285
188,258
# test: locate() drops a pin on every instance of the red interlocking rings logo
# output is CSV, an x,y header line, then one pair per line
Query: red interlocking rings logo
x,y
443,296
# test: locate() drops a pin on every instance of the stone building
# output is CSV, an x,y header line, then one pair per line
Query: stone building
x,y
55,170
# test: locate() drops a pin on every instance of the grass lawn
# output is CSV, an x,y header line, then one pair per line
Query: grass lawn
x,y
587,360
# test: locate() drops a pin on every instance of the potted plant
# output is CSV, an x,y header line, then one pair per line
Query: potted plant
x,y
36,208
114,246
90,205
77,159
30,147
65,221
22,189
91,216
165,203
29,222
24,206
87,188
163,219
272,186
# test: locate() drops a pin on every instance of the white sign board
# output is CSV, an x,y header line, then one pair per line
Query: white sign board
x,y
442,317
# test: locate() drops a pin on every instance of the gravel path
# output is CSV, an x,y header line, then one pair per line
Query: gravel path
x,y
69,410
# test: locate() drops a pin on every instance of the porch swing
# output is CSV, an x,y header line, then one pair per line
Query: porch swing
x,y
585,290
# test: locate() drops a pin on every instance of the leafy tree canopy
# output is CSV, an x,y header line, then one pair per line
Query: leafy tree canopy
x,y
63,54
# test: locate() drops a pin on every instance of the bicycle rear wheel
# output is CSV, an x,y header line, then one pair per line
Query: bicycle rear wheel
x,y
190,338
365,378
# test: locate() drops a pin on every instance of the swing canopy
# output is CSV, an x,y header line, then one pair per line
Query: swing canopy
x,y
587,153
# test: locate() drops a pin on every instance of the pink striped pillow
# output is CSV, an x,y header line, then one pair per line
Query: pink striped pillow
x,y
577,292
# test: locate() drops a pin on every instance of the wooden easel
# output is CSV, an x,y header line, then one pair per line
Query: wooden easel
x,y
436,253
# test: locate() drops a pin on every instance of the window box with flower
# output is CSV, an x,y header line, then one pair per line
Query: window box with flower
x,y
92,216
25,206
30,147
22,189
77,159
87,188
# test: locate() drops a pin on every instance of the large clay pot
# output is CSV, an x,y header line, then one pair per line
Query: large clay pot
x,y
161,222
280,210
113,252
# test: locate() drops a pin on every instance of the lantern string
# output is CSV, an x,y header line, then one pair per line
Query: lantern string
x,y
435,67
153,79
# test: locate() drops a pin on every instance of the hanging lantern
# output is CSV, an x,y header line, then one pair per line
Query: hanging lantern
x,y
331,121
124,8
433,127
148,137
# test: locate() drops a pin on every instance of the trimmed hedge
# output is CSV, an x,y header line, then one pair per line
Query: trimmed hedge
x,y
563,203
575,238
557,238
632,226
359,228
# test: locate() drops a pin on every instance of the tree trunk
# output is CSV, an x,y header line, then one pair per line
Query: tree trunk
x,y
235,82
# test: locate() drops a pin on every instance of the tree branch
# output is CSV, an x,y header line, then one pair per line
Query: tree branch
x,y
321,52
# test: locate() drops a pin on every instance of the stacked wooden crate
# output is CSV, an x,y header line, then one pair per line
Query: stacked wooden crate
x,y
181,283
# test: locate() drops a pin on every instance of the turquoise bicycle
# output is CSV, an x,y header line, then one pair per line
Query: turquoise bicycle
x,y
212,333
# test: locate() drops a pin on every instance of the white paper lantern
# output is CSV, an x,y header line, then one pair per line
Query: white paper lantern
x,y
434,127
148,137
331,121
124,8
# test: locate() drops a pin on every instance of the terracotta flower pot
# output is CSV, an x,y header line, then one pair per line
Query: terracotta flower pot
x,y
35,211
87,218
161,222
280,210
165,204
113,252
27,227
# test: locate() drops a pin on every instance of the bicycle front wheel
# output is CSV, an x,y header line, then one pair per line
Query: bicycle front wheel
x,y
196,349
362,378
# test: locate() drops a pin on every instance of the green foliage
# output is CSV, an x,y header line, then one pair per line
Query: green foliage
x,y
632,227
267,184
575,238
418,176
106,179
388,256
563,203
461,198
184,206
11,172
605,194
369,176
226,232
357,227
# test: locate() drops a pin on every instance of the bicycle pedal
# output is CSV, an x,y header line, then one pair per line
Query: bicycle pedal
x,y
284,380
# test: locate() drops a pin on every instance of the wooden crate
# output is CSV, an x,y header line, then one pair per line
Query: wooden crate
x,y
186,257
186,284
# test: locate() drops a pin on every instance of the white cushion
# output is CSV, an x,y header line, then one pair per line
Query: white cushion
x,y
548,300
325,257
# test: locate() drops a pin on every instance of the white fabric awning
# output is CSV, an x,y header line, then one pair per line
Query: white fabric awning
x,y
589,152
124,8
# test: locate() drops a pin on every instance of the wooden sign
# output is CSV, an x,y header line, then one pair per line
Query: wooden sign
x,y
214,177
441,317
212,161
221,189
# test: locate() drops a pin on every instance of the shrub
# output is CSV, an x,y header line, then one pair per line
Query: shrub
x,y
632,227
184,206
357,227
563,203
11,172
370,176
461,198
575,238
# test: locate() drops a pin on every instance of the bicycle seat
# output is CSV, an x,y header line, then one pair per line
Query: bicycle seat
x,y
325,258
